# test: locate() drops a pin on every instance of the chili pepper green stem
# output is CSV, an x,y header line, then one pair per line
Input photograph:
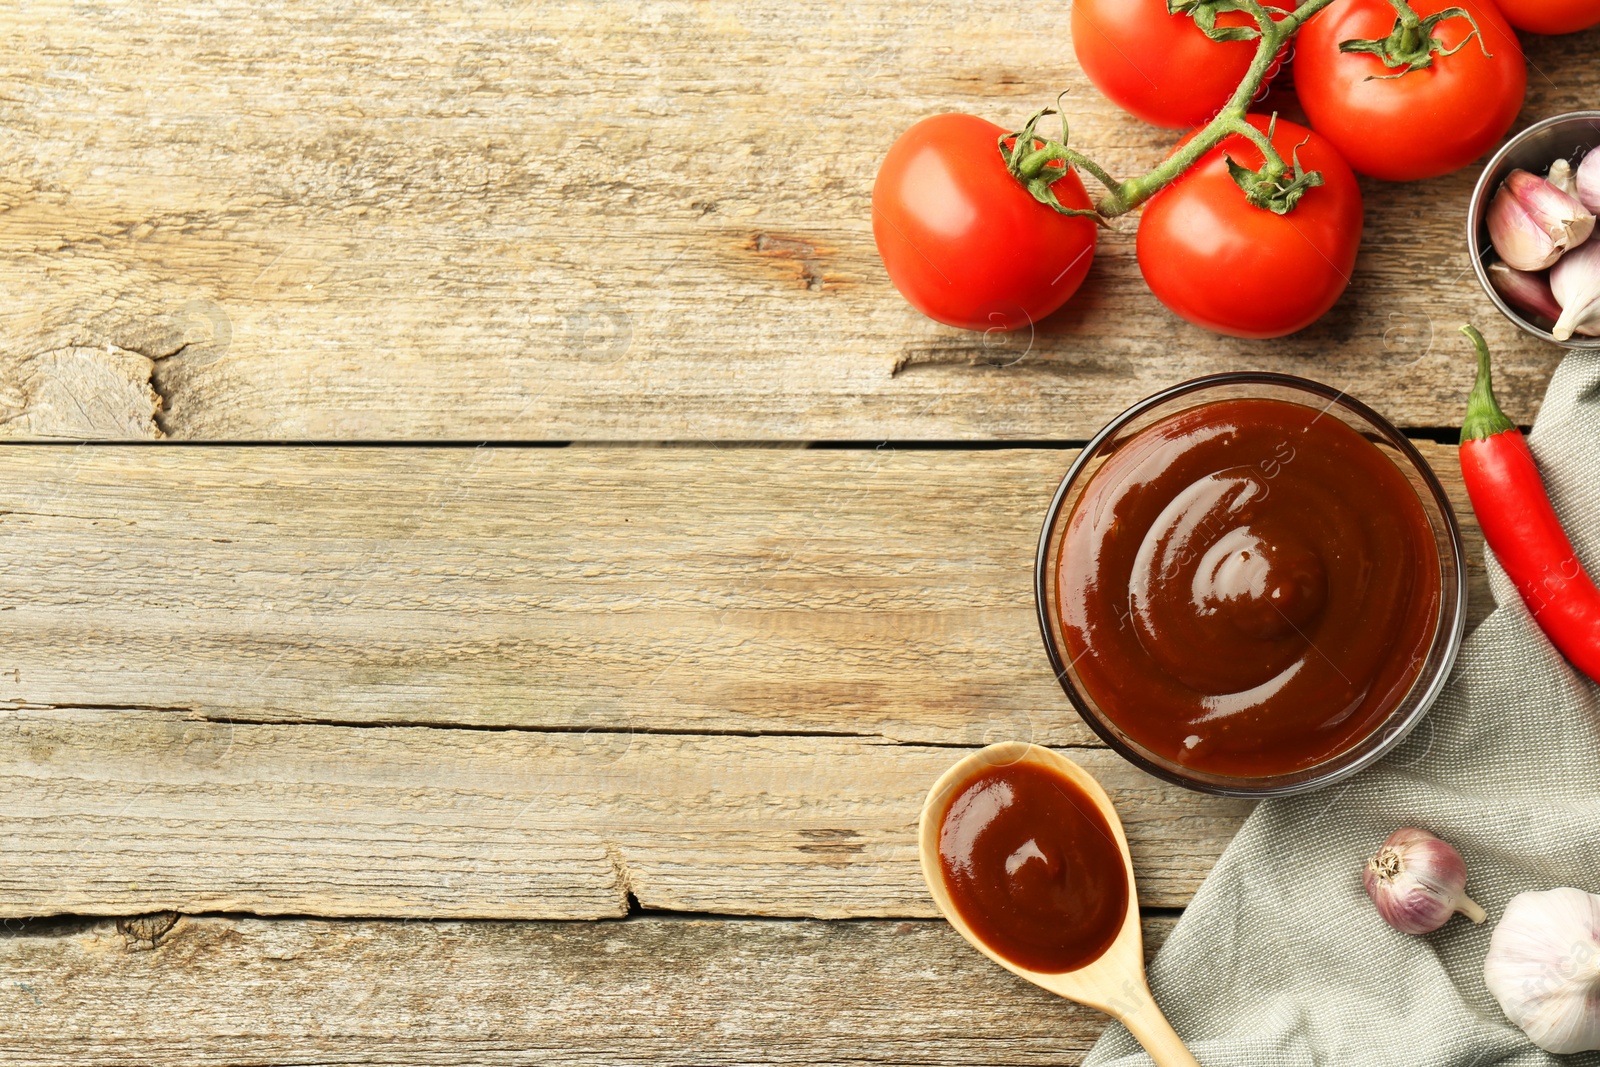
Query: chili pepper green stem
x,y
1484,417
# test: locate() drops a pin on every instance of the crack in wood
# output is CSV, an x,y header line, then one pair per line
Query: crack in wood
x,y
835,847
619,866
144,932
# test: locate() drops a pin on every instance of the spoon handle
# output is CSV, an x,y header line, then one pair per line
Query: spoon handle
x,y
1151,1029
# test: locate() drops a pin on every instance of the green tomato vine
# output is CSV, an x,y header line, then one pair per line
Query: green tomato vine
x,y
1278,184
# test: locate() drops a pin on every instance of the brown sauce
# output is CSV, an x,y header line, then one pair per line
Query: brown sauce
x,y
1033,868
1248,587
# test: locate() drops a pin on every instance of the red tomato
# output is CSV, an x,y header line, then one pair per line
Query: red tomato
x,y
1427,122
1550,16
1160,66
963,241
1240,270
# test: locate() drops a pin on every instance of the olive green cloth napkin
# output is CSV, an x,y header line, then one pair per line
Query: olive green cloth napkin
x,y
1281,961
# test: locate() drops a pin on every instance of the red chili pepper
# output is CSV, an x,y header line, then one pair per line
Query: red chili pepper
x,y
1521,526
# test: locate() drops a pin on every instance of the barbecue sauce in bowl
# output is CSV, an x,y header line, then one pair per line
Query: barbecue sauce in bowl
x,y
1248,587
1033,868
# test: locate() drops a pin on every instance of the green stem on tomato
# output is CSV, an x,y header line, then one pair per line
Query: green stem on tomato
x,y
1411,31
1411,45
1273,166
1274,30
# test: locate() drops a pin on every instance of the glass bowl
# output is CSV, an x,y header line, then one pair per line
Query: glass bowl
x,y
1448,631
1567,137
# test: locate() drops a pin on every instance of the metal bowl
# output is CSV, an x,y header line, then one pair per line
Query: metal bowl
x,y
1566,136
1448,631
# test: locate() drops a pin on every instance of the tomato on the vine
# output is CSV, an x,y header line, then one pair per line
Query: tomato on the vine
x,y
1550,16
1425,122
964,241
1236,269
1160,66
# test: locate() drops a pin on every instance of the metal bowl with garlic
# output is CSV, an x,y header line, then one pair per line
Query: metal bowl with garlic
x,y
1529,207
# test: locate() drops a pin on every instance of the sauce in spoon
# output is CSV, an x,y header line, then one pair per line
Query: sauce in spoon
x,y
1032,867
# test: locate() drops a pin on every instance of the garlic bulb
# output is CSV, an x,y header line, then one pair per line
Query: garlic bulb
x,y
1417,882
1589,180
1526,291
1544,968
1575,283
1531,222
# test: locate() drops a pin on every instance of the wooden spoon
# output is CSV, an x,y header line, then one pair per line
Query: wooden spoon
x,y
1115,982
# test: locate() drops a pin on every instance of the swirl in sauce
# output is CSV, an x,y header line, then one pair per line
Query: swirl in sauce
x,y
1248,587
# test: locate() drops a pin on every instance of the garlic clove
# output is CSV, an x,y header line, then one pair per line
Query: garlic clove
x,y
1521,243
1543,967
1417,881
1531,222
1588,181
1563,217
1526,291
1575,283
1562,177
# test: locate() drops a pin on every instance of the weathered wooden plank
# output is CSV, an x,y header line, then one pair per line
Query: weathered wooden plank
x,y
748,590
504,219
621,597
115,812
222,992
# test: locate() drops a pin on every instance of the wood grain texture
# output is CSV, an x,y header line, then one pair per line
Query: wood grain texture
x,y
218,992
867,593
116,812
208,643
500,219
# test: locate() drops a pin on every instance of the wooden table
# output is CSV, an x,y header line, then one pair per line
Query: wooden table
x,y
576,560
